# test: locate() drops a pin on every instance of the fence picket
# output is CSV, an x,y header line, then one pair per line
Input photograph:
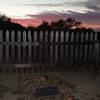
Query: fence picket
x,y
12,36
56,36
7,54
54,46
41,36
7,36
1,47
62,36
18,36
51,36
35,36
24,36
46,36
29,36
1,36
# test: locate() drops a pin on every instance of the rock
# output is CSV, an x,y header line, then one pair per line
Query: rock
x,y
43,78
25,98
84,93
98,95
69,98
19,98
69,89
3,89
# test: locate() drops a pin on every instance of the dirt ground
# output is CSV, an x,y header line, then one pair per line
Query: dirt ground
x,y
87,84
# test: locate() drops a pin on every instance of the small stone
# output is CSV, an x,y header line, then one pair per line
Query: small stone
x,y
43,78
84,93
69,89
69,98
25,98
98,95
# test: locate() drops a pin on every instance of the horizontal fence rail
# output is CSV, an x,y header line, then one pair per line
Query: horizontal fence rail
x,y
48,47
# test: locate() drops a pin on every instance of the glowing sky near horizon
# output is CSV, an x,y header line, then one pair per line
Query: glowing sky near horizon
x,y
28,12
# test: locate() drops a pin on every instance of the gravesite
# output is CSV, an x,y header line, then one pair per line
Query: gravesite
x,y
50,50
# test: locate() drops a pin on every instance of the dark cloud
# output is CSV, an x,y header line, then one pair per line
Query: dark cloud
x,y
89,17
95,1
93,5
50,4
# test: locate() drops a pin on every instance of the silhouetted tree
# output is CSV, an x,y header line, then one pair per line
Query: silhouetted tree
x,y
6,24
3,17
44,26
72,23
65,24
60,24
68,24
31,28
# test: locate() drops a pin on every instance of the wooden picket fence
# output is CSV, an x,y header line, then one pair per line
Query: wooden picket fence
x,y
27,47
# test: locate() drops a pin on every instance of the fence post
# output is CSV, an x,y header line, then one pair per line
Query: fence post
x,y
35,46
7,47
56,46
96,47
51,46
19,47
1,47
46,46
24,47
99,44
75,48
12,47
62,46
69,47
30,47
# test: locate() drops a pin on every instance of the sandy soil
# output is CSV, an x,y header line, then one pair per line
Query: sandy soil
x,y
86,83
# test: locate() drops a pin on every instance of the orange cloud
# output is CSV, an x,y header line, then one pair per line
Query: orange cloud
x,y
36,22
27,22
91,26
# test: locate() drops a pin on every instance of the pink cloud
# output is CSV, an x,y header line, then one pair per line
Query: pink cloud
x,y
89,19
27,22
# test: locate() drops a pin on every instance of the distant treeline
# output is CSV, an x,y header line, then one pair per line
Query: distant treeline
x,y
68,24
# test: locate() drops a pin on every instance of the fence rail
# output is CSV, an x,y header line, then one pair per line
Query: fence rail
x,y
48,47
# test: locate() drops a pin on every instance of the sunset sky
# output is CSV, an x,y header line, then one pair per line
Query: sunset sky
x,y
29,12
